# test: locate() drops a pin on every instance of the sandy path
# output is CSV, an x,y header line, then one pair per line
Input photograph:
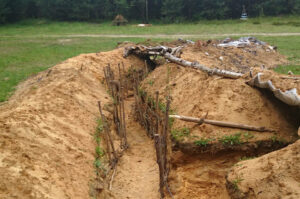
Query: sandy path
x,y
172,36
137,171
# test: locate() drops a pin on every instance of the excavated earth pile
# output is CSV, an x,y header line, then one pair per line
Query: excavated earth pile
x,y
47,128
274,175
203,154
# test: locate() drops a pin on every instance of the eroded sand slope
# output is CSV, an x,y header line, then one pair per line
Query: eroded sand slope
x,y
46,129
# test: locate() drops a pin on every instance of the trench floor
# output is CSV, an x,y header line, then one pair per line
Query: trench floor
x,y
137,174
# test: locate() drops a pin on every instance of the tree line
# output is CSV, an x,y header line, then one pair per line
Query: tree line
x,y
164,10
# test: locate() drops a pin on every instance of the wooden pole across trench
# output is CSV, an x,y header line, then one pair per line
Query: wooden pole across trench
x,y
221,123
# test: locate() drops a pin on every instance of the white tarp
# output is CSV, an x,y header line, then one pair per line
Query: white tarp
x,y
241,42
289,97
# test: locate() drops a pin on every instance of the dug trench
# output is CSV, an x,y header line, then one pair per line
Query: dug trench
x,y
51,125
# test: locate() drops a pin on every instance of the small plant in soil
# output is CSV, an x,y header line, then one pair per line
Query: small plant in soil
x,y
247,136
274,139
231,139
236,183
202,142
150,82
179,134
246,158
162,106
99,152
142,93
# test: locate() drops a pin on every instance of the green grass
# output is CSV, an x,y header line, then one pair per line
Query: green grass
x,y
23,57
31,46
44,27
289,46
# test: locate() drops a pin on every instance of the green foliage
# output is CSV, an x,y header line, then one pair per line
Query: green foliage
x,y
171,122
97,163
99,152
150,82
246,158
231,139
162,106
236,183
164,10
279,140
141,92
247,136
202,142
179,134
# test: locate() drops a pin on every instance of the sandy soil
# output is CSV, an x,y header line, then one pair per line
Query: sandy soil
x,y
47,147
275,175
137,171
201,177
46,140
195,93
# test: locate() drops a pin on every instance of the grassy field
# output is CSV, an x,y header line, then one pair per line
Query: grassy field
x,y
29,47
257,25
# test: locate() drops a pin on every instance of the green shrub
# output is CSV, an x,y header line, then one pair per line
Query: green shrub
x,y
236,182
202,142
231,139
178,134
247,136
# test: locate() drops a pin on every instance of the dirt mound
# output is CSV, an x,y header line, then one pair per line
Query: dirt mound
x,y
235,59
195,93
47,128
275,175
195,173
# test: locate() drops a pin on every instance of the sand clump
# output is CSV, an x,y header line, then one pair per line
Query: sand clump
x,y
274,175
46,141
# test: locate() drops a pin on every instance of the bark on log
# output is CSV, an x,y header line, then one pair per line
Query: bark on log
x,y
196,65
221,123
172,54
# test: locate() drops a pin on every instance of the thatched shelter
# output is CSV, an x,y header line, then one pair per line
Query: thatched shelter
x,y
119,20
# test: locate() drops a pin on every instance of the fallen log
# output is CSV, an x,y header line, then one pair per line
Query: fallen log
x,y
221,123
172,54
196,65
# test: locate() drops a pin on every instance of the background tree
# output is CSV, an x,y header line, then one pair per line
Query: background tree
x,y
166,10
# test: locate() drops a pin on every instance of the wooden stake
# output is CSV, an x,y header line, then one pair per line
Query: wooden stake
x,y
124,121
108,133
166,125
158,149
